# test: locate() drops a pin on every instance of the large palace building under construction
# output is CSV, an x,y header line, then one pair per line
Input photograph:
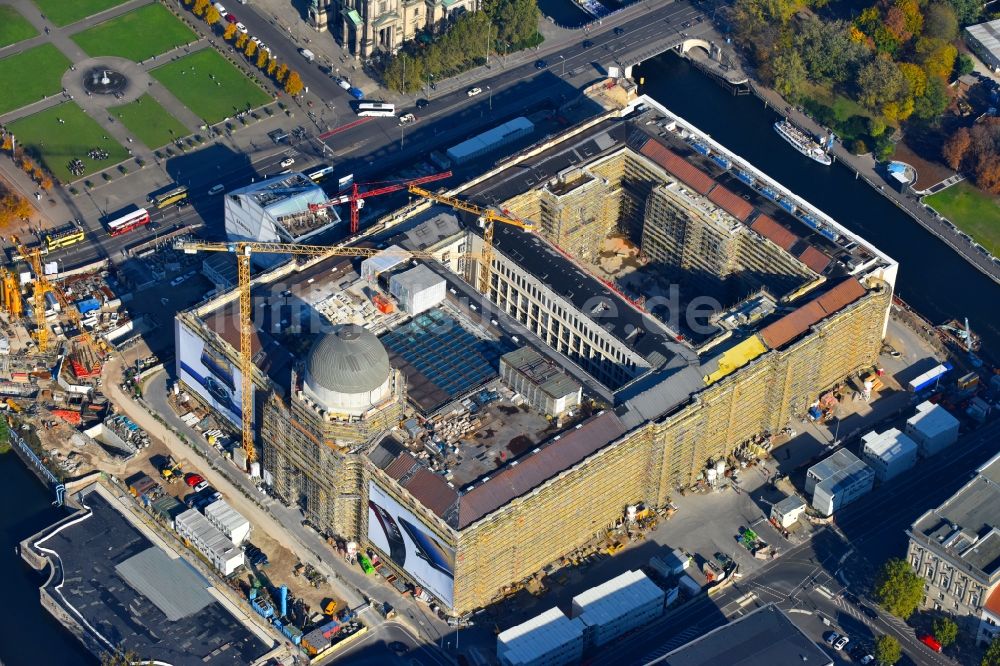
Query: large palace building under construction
x,y
671,304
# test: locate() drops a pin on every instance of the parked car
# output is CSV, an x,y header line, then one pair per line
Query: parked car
x,y
193,479
231,18
242,28
472,92
344,83
831,637
201,486
841,643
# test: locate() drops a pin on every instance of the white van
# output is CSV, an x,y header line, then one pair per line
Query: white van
x,y
307,54
216,189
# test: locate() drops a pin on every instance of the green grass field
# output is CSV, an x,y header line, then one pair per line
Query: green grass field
x,y
57,143
64,12
147,31
30,76
971,210
149,122
14,27
210,86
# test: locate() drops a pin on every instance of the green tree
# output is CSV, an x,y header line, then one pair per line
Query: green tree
x,y
887,650
934,102
967,11
936,56
879,82
940,22
945,630
963,65
789,74
898,588
992,655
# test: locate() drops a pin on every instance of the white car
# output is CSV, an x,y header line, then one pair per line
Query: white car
x,y
344,83
472,92
256,40
219,8
841,642
201,486
407,118
264,47
287,162
242,28
216,189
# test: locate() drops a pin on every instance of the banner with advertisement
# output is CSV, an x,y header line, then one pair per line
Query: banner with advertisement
x,y
207,372
411,545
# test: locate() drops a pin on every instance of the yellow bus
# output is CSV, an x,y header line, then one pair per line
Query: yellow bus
x,y
175,195
64,237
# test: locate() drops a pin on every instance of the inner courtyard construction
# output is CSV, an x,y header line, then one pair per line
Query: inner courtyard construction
x,y
697,303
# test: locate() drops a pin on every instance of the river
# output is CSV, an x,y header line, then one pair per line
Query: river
x,y
29,636
933,279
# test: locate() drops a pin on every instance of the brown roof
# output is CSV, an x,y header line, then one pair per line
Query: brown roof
x,y
431,490
814,259
733,204
398,468
798,321
993,602
690,175
535,468
774,232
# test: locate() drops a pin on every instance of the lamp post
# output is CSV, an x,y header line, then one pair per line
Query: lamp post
x,y
563,59
490,91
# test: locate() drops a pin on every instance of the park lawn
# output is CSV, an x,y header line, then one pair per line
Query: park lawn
x,y
31,75
64,12
147,31
57,143
971,210
149,122
210,86
14,27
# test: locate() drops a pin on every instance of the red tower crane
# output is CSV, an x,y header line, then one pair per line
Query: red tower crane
x,y
357,198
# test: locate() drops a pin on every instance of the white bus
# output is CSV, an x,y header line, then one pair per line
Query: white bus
x,y
319,172
376,109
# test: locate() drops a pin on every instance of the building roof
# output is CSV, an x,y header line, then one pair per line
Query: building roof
x,y
966,527
764,637
226,516
171,584
286,199
987,34
815,260
388,258
888,445
619,596
932,420
680,168
548,631
774,232
797,322
789,504
490,139
836,462
730,202
348,360
418,278
993,602
541,372
208,534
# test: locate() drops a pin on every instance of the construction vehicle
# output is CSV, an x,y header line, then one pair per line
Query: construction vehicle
x,y
243,252
171,471
488,217
357,198
330,608
14,407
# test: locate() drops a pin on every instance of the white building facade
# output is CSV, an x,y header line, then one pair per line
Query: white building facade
x,y
889,453
210,542
933,428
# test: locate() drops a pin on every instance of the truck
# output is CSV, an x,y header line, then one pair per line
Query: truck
x,y
307,54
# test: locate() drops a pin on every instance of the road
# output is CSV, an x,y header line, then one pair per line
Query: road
x,y
811,577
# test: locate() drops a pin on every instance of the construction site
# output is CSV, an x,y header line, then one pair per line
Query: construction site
x,y
532,340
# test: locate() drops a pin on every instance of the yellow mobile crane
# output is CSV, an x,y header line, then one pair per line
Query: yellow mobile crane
x,y
243,250
488,216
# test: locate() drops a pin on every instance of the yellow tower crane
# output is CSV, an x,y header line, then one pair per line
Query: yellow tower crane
x,y
243,251
488,216
39,287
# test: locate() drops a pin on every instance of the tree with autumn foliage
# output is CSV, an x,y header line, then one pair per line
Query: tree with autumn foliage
x,y
212,16
14,207
272,65
241,40
293,84
262,57
282,72
200,7
956,147
251,49
229,32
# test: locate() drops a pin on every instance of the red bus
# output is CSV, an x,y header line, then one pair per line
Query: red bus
x,y
128,222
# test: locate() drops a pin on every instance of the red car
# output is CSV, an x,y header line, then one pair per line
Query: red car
x,y
231,18
193,480
930,642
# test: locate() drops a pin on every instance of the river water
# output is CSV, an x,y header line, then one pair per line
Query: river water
x,y
29,636
933,279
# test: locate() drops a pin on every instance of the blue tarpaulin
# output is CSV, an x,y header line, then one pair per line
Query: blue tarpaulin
x,y
88,305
